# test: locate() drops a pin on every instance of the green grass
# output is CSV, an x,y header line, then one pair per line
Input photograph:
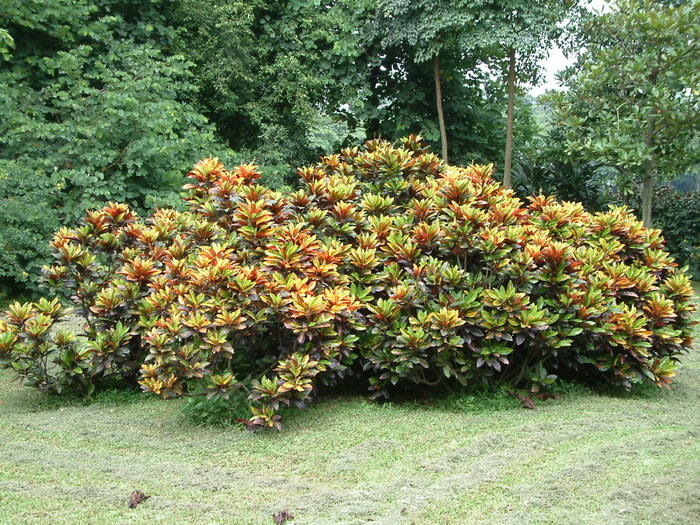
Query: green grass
x,y
586,458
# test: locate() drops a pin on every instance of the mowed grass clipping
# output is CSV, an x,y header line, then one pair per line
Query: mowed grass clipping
x,y
584,458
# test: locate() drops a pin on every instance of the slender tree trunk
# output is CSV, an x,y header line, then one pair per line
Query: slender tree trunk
x,y
441,115
509,127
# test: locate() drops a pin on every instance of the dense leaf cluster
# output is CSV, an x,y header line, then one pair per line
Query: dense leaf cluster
x,y
91,110
386,263
316,76
570,180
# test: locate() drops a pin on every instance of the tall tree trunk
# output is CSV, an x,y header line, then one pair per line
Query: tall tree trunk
x,y
441,115
509,127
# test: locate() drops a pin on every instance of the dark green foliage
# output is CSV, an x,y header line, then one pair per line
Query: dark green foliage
x,y
678,216
330,70
472,105
632,100
569,180
28,202
105,100
268,72
90,111
541,166
507,36
201,410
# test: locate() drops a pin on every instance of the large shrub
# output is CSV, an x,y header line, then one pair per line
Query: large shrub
x,y
387,264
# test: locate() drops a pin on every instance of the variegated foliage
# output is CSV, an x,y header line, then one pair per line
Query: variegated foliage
x,y
385,263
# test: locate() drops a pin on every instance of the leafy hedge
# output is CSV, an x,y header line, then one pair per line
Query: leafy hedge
x,y
387,264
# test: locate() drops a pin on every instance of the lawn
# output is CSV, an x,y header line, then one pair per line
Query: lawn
x,y
584,458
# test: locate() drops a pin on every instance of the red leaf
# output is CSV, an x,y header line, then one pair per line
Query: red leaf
x,y
525,401
136,497
281,516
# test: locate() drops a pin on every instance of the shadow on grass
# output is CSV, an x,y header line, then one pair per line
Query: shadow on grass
x,y
42,402
198,411
641,391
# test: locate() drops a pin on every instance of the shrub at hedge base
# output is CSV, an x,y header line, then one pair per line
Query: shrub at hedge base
x,y
387,264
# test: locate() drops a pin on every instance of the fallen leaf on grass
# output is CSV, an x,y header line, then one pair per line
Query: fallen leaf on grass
x,y
136,497
525,401
282,516
544,396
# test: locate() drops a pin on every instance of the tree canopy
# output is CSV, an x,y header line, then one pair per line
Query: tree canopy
x,y
510,37
92,110
632,98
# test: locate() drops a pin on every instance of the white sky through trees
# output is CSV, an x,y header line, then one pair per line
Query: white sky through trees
x,y
557,61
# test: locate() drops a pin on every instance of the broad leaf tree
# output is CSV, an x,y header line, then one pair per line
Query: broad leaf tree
x,y
429,29
509,35
91,110
472,105
6,44
632,98
275,76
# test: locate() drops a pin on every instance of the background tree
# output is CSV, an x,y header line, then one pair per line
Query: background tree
x,y
406,103
632,98
429,30
511,36
6,44
297,79
277,77
91,110
519,34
